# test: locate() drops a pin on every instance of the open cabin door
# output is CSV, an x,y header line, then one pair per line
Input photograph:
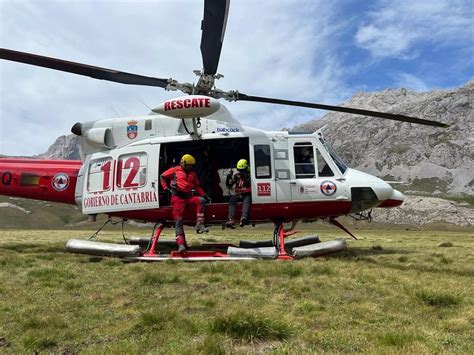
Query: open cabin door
x,y
122,180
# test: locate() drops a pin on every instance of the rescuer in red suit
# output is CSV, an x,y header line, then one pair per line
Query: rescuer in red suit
x,y
183,184
243,192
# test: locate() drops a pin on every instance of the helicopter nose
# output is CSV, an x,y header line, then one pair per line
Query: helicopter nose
x,y
395,200
369,191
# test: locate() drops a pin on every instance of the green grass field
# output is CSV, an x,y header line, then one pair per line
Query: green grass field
x,y
392,291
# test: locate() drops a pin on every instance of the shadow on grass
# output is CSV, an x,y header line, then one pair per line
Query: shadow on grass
x,y
357,252
365,256
439,300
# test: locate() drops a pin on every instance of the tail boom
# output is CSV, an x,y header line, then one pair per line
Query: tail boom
x,y
46,180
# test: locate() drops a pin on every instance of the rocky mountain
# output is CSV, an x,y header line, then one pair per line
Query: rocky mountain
x,y
434,161
65,147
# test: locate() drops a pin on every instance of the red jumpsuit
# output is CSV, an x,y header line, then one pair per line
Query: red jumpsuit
x,y
181,183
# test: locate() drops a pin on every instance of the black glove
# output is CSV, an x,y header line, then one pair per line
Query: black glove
x,y
207,198
172,190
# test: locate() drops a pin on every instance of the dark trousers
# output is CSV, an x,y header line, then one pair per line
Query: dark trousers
x,y
247,200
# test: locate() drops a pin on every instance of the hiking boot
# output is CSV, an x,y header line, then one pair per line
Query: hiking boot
x,y
244,221
230,224
201,228
181,249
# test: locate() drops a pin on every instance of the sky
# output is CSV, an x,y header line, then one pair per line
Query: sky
x,y
318,51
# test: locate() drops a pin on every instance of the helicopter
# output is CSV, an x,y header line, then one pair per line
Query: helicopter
x,y
294,176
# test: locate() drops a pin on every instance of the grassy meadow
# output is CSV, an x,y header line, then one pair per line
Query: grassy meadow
x,y
392,291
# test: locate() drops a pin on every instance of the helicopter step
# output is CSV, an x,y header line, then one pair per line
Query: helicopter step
x,y
191,256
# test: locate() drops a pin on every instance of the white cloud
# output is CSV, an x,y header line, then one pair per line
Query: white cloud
x,y
395,27
385,42
279,49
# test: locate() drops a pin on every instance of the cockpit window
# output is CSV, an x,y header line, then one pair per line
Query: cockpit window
x,y
337,159
324,170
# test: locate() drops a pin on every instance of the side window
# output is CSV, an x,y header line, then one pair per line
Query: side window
x,y
100,175
131,170
263,163
324,170
304,160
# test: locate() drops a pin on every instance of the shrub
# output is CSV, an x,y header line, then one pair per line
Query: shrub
x,y
403,258
446,245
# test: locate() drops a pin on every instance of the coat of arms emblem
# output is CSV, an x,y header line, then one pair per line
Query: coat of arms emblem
x,y
132,129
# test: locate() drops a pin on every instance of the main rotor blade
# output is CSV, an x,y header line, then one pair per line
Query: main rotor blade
x,y
81,69
213,29
390,116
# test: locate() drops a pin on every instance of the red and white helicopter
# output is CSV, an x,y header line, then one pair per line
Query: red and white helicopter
x,y
294,176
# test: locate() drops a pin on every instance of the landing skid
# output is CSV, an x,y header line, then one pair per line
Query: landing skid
x,y
156,250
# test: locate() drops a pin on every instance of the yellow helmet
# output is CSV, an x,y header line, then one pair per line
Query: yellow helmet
x,y
242,164
187,159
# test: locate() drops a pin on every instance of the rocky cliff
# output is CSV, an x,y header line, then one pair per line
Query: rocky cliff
x,y
65,147
434,161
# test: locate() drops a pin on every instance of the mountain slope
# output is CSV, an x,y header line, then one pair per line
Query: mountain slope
x,y
433,160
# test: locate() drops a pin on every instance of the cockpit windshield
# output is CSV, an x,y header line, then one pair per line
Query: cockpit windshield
x,y
337,159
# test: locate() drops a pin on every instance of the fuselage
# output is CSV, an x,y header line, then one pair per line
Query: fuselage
x,y
294,176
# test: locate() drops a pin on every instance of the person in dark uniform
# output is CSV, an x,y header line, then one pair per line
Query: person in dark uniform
x,y
243,192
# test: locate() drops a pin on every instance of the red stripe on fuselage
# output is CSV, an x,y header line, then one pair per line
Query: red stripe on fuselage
x,y
217,213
